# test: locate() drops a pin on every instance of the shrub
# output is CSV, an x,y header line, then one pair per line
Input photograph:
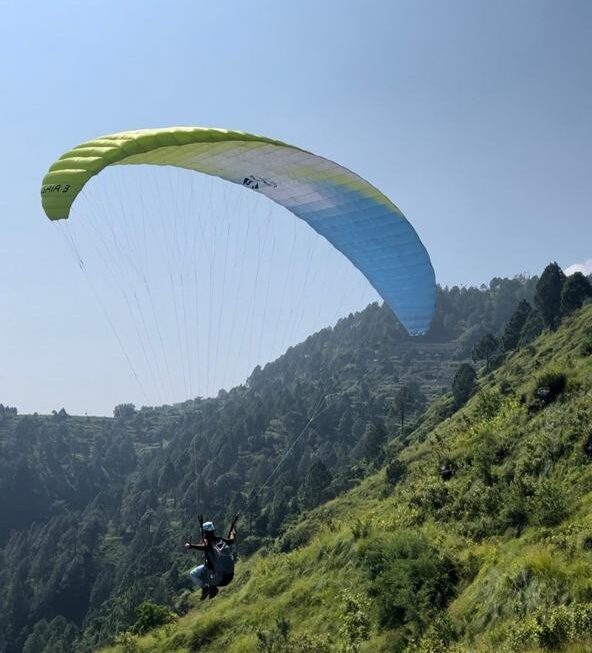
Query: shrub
x,y
205,632
395,471
587,446
447,469
553,628
445,410
280,640
178,641
514,508
361,528
586,346
412,580
150,616
488,404
355,621
486,454
308,644
296,537
429,495
127,643
250,544
183,603
440,637
547,388
557,627
275,640
549,504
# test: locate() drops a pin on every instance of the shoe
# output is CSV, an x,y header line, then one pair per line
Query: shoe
x,y
213,591
204,592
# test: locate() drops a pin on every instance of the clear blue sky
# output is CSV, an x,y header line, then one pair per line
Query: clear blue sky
x,y
473,116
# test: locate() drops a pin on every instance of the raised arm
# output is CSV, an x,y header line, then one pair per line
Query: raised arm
x,y
200,547
231,537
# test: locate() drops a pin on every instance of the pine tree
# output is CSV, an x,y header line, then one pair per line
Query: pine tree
x,y
463,384
485,348
403,403
575,291
548,295
316,482
532,329
511,336
374,441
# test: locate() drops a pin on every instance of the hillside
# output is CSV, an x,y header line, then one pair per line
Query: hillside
x,y
476,536
93,510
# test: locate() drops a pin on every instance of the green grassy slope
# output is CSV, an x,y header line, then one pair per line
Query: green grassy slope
x,y
496,558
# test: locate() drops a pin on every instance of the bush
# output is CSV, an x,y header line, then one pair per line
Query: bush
x,y
127,643
183,603
412,580
488,404
281,640
250,544
354,619
514,508
178,641
361,528
587,446
205,632
150,616
586,346
548,387
549,504
440,637
395,471
296,537
553,628
429,495
447,469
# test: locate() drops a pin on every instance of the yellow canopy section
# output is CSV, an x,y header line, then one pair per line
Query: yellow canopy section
x,y
67,176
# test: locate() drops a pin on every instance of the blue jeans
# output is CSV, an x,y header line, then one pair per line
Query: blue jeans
x,y
201,576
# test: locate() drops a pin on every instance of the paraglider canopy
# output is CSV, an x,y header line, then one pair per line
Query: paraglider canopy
x,y
349,212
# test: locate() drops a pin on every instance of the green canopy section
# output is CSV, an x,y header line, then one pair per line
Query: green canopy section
x,y
68,175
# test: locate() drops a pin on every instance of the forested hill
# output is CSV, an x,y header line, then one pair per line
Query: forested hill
x,y
475,536
93,510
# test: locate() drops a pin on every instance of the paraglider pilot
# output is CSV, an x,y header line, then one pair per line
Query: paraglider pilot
x,y
218,567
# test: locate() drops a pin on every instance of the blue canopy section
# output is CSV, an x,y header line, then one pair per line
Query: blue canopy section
x,y
384,246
